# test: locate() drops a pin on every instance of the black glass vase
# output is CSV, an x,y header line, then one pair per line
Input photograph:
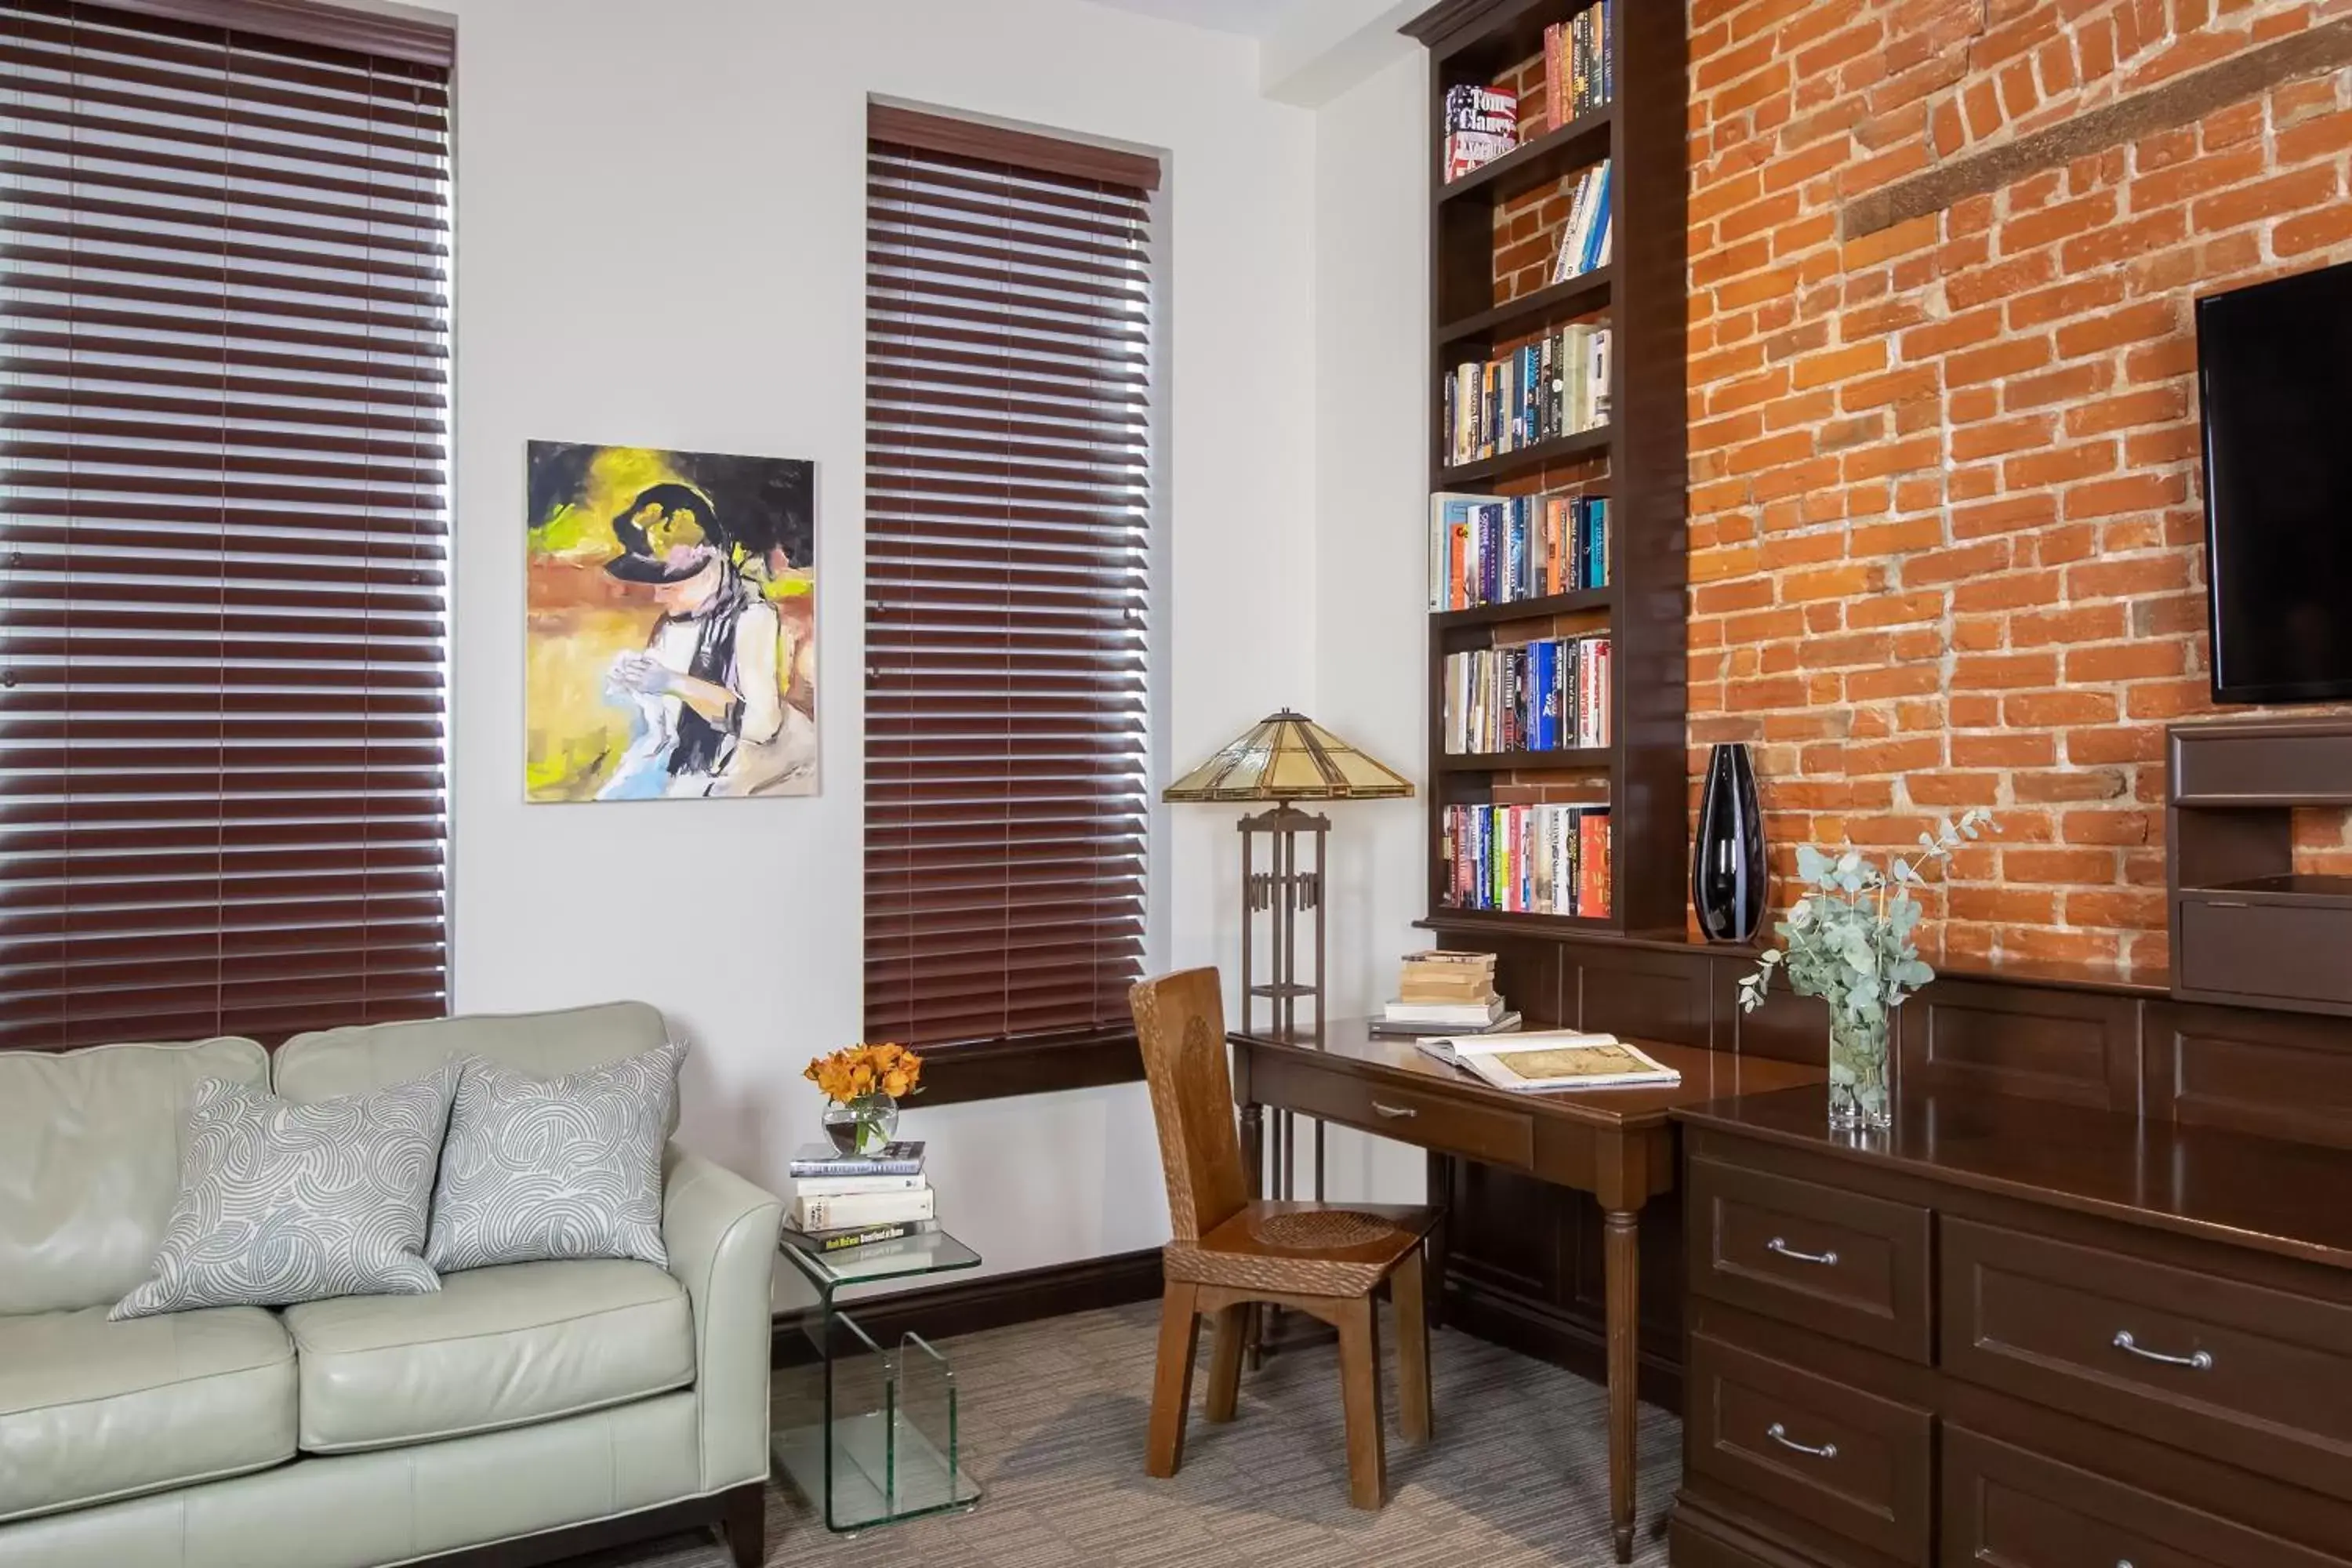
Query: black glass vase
x,y
1728,860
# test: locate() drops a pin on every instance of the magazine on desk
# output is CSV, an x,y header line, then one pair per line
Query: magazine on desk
x,y
1551,1059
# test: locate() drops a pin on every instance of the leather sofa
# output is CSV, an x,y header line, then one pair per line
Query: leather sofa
x,y
520,1415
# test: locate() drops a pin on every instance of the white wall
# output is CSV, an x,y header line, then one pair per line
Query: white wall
x,y
1371,299
660,213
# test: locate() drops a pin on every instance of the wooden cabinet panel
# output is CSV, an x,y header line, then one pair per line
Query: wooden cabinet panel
x,y
1848,1460
1827,1259
2199,1361
2007,1505
2231,947
1642,995
2276,1074
2044,1043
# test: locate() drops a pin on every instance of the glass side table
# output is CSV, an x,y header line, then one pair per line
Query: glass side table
x,y
868,1434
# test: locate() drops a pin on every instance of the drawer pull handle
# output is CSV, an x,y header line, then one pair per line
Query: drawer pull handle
x,y
1782,1246
1394,1111
1780,1434
2199,1361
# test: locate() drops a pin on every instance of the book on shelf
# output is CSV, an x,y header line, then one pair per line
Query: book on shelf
x,y
812,1212
1553,1058
1584,236
857,1238
1482,123
1550,695
1554,385
1526,859
1579,58
1496,549
1398,1030
901,1158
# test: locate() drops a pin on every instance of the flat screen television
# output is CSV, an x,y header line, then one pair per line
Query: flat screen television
x,y
2274,379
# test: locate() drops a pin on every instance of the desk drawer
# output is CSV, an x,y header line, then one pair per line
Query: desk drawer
x,y
1447,1123
1821,1257
2259,1377
1846,1460
2010,1506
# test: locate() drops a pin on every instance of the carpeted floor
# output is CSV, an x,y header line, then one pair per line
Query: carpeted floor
x,y
1054,1422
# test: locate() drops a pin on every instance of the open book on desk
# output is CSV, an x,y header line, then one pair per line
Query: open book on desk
x,y
1551,1059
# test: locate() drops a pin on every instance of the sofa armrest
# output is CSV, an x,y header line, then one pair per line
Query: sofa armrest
x,y
720,1232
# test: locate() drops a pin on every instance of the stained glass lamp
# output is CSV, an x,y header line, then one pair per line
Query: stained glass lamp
x,y
1283,758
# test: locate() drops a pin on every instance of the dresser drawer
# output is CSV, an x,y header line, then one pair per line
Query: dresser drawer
x,y
1846,1460
2259,1377
2010,1505
1826,1259
1446,1123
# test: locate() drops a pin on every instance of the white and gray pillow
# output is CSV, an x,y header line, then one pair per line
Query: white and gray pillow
x,y
281,1203
539,1169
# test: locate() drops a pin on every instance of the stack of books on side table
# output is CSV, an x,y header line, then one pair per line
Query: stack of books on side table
x,y
844,1201
1442,993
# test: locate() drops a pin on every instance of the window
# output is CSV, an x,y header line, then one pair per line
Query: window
x,y
223,389
1008,471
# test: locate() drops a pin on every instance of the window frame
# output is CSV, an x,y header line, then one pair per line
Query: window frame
x,y
1012,1066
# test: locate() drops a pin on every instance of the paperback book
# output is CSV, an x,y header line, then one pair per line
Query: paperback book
x,y
817,1211
1550,695
1401,1029
1584,236
855,1238
1579,58
1482,123
902,1158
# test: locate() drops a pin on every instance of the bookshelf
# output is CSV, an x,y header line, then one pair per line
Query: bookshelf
x,y
1478,310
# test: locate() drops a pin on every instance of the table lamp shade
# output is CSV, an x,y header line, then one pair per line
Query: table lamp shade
x,y
1289,756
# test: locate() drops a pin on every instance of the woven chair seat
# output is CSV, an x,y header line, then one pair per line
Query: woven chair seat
x,y
1302,1249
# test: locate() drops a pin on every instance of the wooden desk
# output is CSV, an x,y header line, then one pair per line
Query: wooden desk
x,y
1617,1144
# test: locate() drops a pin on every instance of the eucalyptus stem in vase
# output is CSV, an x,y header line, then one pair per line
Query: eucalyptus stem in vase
x,y
1848,940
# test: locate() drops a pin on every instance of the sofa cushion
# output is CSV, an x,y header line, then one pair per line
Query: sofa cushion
x,y
282,1202
90,1163
91,1410
495,1347
326,1063
539,1169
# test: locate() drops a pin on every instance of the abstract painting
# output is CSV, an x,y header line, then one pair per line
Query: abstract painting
x,y
671,652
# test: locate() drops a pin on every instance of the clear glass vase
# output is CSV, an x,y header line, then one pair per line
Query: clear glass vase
x,y
1862,1096
864,1125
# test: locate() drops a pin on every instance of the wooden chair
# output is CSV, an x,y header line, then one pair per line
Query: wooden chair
x,y
1325,1259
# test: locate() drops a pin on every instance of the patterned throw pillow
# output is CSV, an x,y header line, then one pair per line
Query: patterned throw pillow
x,y
282,1202
537,1169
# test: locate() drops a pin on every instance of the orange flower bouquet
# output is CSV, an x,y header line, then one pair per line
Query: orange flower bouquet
x,y
862,1085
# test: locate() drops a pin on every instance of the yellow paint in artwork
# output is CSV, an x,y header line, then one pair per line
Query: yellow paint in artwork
x,y
582,533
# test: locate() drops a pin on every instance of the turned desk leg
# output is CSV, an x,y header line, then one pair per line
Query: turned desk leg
x,y
1623,1261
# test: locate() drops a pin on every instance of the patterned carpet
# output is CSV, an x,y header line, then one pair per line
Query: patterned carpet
x,y
1054,1413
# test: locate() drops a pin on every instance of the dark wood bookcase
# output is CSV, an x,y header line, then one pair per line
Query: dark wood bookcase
x,y
1636,460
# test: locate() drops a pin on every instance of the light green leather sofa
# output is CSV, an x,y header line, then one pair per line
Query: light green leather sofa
x,y
521,1414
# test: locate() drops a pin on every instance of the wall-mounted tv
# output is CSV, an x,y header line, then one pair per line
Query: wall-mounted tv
x,y
2274,379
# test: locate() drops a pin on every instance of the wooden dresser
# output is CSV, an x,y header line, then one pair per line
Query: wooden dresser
x,y
2012,1331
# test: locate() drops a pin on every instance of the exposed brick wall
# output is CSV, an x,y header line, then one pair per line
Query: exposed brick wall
x,y
1943,488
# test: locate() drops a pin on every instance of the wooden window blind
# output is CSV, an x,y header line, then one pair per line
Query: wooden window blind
x,y
1008,477
224,328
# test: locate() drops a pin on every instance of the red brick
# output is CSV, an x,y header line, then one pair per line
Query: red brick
x,y
2035,863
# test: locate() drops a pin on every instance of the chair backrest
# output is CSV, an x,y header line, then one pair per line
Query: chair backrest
x,y
1179,1020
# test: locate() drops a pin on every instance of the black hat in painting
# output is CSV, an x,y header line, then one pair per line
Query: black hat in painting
x,y
667,534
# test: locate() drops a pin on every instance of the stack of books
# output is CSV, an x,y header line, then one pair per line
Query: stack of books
x,y
1494,550
841,1201
1526,859
1584,236
1580,61
1482,123
1555,385
1444,992
1549,695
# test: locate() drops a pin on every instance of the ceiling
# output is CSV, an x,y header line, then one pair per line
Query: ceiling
x,y
1251,18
